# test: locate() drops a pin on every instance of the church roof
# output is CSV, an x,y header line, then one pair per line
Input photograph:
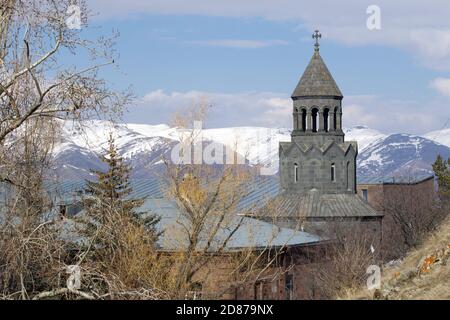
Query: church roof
x,y
313,205
262,191
251,233
266,197
316,80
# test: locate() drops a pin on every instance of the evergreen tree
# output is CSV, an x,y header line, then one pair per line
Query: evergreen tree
x,y
442,172
109,199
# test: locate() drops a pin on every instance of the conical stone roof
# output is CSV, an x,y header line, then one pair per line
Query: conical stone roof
x,y
316,80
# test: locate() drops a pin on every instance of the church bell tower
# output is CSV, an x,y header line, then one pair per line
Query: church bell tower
x,y
317,157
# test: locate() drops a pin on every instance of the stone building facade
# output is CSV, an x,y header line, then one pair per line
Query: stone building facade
x,y
405,196
288,277
382,192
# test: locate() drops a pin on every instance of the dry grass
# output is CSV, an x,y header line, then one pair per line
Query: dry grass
x,y
423,274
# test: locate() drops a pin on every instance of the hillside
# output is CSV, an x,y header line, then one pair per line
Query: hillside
x,y
423,274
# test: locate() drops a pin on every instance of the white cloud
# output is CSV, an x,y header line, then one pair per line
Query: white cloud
x,y
226,109
237,43
418,26
394,116
441,85
275,110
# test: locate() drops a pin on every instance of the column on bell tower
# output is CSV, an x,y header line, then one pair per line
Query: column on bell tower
x,y
309,120
331,127
295,118
321,120
339,120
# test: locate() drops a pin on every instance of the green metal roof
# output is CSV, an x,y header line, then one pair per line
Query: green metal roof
x,y
252,233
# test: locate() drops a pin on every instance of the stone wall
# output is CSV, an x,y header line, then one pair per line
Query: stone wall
x,y
286,279
415,199
314,169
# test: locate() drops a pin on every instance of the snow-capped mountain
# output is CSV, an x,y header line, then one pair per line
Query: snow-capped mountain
x,y
440,136
78,152
399,155
364,135
145,145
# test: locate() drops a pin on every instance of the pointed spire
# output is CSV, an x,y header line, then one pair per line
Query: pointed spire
x,y
317,79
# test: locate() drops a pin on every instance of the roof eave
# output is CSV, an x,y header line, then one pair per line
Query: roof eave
x,y
305,97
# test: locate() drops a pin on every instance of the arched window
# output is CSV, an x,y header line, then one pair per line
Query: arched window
x,y
315,119
333,172
335,118
325,120
347,174
295,172
304,120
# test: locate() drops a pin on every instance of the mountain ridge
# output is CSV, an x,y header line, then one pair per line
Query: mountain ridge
x,y
143,145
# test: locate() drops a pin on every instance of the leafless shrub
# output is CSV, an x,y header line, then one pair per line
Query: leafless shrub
x,y
31,255
345,263
410,214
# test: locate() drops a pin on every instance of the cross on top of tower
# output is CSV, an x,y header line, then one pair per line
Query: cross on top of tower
x,y
316,35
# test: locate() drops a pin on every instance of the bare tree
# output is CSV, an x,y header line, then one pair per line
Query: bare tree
x,y
208,196
410,214
35,81
39,86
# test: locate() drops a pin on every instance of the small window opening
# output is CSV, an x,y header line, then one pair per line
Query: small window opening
x,y
62,209
289,287
314,116
365,194
303,120
325,120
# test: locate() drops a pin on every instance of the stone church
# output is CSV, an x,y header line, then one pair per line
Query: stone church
x,y
318,167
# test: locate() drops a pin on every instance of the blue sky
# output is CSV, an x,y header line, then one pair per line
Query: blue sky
x,y
245,59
